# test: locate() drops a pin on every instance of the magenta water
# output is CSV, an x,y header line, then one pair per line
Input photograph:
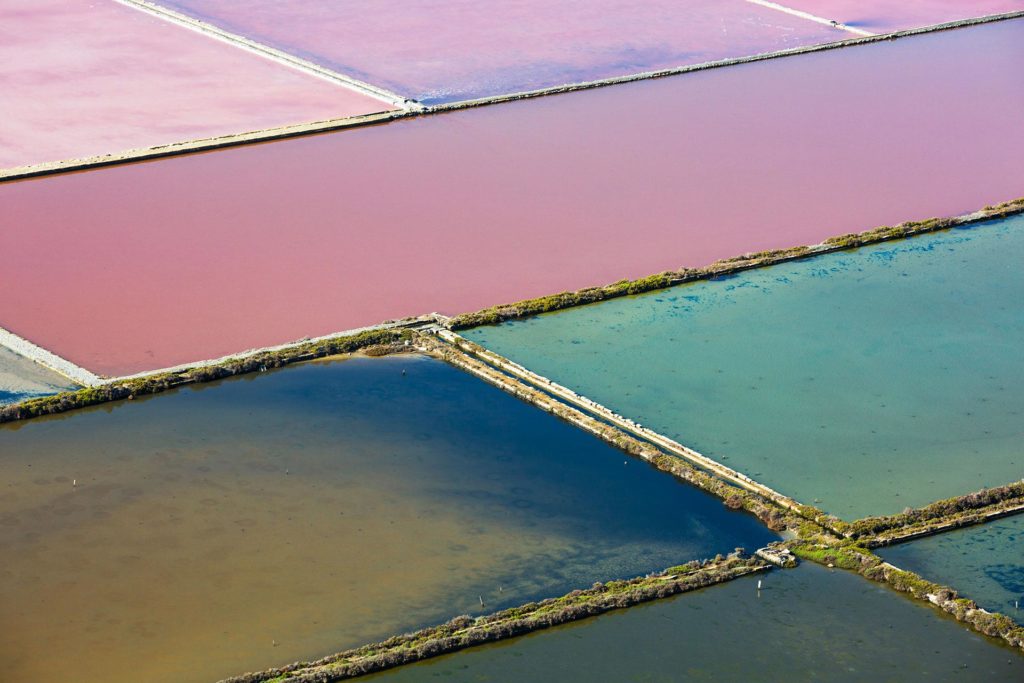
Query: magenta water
x,y
447,50
150,265
288,515
863,382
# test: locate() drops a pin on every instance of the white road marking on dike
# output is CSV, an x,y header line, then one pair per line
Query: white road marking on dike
x,y
810,17
52,361
273,54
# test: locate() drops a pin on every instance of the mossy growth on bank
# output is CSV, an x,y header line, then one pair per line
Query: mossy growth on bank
x,y
852,556
466,631
963,510
376,342
589,295
467,356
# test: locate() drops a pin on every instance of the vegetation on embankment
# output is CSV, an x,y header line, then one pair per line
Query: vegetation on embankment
x,y
816,533
808,520
372,342
941,515
465,631
589,295
770,513
852,556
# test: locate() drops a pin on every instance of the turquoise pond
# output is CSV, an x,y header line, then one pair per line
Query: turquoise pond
x,y
984,563
806,624
862,381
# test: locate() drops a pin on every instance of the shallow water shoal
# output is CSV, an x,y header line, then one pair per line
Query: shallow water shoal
x,y
21,379
288,515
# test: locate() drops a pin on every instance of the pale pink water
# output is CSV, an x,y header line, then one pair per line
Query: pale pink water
x,y
885,16
446,50
81,78
148,265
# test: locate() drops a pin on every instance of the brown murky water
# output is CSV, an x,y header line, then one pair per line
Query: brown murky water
x,y
240,526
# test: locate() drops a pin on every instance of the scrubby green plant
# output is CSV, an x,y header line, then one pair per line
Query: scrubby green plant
x,y
965,509
156,383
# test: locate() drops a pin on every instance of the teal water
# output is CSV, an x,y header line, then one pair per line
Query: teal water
x,y
984,563
223,528
870,380
806,624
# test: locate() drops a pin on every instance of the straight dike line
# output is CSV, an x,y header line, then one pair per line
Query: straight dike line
x,y
412,108
430,318
273,54
625,424
52,361
674,71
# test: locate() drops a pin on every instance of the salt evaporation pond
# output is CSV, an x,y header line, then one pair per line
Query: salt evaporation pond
x,y
83,78
447,50
21,379
870,380
806,624
289,515
984,563
884,16
151,265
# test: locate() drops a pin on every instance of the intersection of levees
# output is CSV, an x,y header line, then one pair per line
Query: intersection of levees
x,y
151,265
285,516
863,382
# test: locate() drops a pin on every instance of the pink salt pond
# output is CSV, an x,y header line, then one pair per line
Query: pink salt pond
x,y
885,16
83,78
447,50
149,265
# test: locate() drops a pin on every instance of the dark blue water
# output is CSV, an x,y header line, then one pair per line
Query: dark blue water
x,y
984,563
295,513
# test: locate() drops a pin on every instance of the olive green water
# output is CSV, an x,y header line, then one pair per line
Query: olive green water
x,y
871,380
984,563
806,624
287,515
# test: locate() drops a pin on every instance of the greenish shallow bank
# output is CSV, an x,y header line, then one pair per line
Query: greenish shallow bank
x,y
984,563
806,624
21,379
870,380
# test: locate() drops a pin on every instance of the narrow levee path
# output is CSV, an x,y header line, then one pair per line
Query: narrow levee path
x,y
625,424
271,53
61,366
464,631
405,107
